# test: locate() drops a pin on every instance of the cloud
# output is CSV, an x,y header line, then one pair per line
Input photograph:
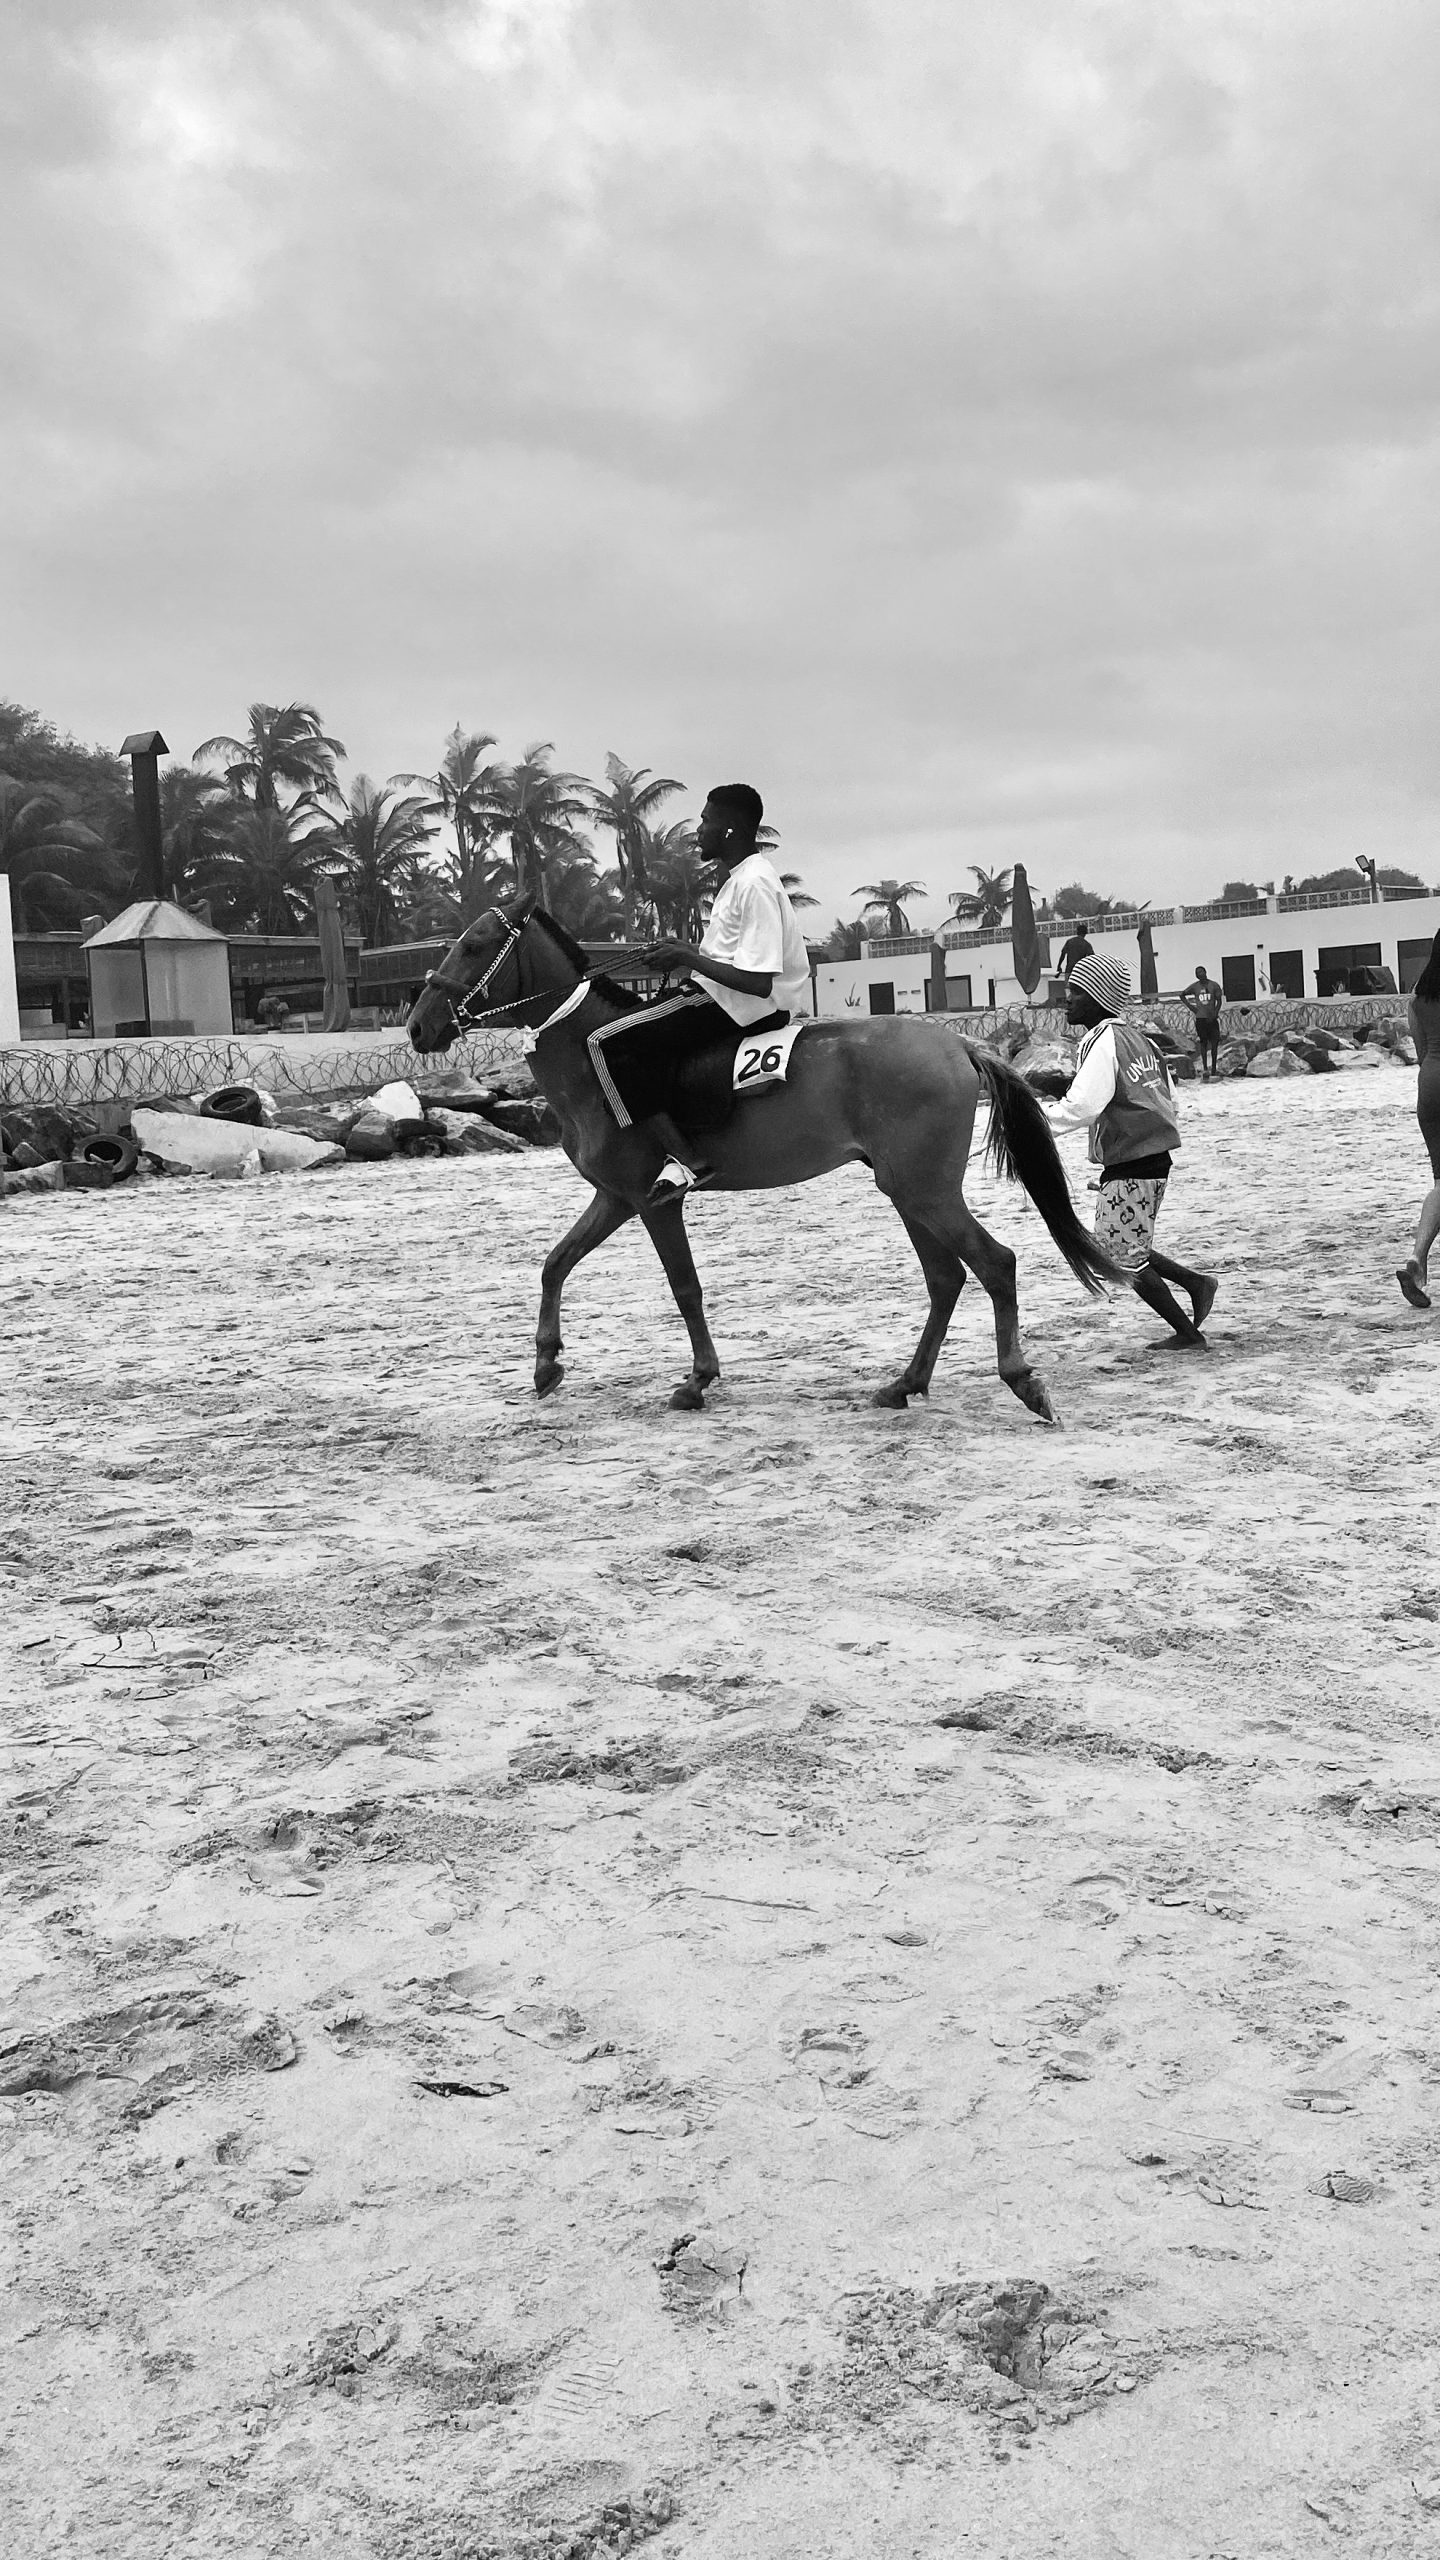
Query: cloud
x,y
1008,431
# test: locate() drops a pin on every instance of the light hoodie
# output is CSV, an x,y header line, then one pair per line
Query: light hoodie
x,y
1123,1095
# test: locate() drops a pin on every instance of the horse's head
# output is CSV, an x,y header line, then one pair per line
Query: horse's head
x,y
480,975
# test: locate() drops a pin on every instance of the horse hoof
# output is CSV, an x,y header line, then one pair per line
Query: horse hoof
x,y
688,1397
1035,1396
548,1377
894,1398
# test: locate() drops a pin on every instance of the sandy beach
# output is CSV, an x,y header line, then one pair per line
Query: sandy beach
x,y
797,1980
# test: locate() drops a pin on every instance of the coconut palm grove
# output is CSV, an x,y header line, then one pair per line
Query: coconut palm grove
x,y
252,821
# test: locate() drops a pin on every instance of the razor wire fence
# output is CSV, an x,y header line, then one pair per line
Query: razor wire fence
x,y
76,1074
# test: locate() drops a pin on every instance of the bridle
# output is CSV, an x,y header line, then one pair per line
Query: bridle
x,y
468,1008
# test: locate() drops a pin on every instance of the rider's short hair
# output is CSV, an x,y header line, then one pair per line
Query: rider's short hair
x,y
745,805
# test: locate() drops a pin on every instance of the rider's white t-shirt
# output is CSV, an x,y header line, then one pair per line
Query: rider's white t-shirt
x,y
753,926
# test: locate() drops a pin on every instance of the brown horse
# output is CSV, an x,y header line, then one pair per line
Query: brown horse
x,y
891,1093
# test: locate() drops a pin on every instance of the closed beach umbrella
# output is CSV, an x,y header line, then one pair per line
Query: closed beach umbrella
x,y
1149,975
1031,948
336,1016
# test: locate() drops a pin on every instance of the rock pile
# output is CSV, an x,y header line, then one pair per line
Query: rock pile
x,y
241,1131
1047,1059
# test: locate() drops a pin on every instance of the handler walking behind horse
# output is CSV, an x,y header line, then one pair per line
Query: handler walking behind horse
x,y
1122,1093
753,952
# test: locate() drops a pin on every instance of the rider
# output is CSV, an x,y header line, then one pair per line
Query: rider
x,y
752,954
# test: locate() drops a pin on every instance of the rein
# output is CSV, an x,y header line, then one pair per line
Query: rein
x,y
468,1010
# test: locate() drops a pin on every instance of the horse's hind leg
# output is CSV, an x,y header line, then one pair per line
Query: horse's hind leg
x,y
954,1225
944,1278
993,1264
666,1229
606,1212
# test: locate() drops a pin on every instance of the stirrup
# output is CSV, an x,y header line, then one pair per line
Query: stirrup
x,y
674,1180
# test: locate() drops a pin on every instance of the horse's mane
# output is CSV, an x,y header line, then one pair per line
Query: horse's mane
x,y
624,997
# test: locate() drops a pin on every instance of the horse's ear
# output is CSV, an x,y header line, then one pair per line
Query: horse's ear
x,y
521,909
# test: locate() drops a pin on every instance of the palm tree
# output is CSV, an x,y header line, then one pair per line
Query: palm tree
x,y
56,863
799,897
197,818
266,880
627,810
844,940
380,841
540,813
678,881
589,903
887,894
987,903
469,795
281,748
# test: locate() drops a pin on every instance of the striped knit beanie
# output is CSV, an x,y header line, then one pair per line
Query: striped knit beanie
x,y
1105,980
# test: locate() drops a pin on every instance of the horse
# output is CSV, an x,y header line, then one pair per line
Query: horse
x,y
888,1092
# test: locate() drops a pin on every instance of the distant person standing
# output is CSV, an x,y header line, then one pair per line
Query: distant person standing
x,y
1425,1030
1122,1094
1204,1000
1077,946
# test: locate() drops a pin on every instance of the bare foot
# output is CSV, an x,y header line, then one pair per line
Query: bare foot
x,y
1202,1300
1411,1287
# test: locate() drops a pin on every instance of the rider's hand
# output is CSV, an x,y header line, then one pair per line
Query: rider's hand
x,y
669,955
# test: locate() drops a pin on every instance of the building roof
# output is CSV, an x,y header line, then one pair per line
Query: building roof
x,y
152,920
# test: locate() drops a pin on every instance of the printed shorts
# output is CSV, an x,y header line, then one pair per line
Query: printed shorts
x,y
1125,1220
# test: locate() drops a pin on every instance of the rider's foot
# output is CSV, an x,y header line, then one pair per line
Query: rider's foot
x,y
674,1180
1412,1287
1202,1300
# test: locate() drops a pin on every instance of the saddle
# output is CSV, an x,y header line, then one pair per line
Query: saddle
x,y
677,1057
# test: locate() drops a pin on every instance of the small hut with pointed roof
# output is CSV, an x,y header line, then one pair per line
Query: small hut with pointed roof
x,y
155,970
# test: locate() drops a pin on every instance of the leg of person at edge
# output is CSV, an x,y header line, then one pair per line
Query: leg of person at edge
x,y
1414,1275
752,954
1123,1095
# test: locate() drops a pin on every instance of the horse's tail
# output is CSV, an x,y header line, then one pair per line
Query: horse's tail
x,y
1021,1147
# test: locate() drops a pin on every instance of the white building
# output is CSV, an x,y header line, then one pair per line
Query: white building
x,y
1298,945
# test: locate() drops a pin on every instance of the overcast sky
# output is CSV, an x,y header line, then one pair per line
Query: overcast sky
x,y
995,428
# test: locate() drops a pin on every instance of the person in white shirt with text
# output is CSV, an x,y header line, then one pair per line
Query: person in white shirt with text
x,y
752,957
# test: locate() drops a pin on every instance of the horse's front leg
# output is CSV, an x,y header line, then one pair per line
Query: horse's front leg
x,y
606,1212
666,1230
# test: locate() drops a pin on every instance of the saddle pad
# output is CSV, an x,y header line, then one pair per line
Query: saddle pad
x,y
763,1057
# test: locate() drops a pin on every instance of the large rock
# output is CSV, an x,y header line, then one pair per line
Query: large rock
x,y
371,1139
1319,1060
533,1120
1232,1058
1350,1059
1278,1061
398,1102
223,1146
42,1133
465,1135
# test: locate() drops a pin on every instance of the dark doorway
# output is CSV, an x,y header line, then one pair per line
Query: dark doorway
x,y
1287,973
1411,958
1237,979
882,995
1332,978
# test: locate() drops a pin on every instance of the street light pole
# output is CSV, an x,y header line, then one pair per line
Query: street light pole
x,y
145,747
